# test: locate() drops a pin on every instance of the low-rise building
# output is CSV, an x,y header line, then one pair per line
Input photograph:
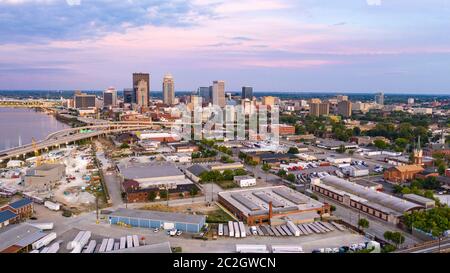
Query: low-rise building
x,y
45,175
153,175
19,238
245,181
258,206
402,174
23,208
8,217
157,219
372,202
423,201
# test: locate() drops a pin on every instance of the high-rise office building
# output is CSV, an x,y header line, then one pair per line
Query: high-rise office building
x,y
318,109
218,93
379,98
128,95
168,90
84,101
205,94
141,87
247,92
110,97
345,108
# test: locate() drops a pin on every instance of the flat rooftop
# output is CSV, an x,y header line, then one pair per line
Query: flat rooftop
x,y
148,170
256,201
19,235
160,216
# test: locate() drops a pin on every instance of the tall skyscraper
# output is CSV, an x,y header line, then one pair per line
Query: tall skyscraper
x,y
218,93
379,98
247,92
205,94
141,88
318,109
345,108
168,90
84,101
128,95
110,97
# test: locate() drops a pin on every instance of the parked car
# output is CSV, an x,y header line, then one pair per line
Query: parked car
x,y
156,230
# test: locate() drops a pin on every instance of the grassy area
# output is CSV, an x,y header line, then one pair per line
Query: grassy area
x,y
218,216
4,200
226,184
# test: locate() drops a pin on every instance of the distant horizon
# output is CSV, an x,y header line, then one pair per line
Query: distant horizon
x,y
409,93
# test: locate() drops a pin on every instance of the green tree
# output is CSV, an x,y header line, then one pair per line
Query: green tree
x,y
266,167
380,144
363,223
124,146
152,196
163,194
293,150
291,177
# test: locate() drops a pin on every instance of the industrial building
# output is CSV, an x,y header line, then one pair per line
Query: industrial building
x,y
44,175
377,204
423,201
19,238
150,175
271,204
157,219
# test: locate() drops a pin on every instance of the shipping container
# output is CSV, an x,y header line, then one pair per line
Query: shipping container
x,y
293,228
103,246
135,241
129,241
42,226
237,233
54,248
251,249
44,241
123,242
231,228
110,245
242,229
220,230
52,206
91,247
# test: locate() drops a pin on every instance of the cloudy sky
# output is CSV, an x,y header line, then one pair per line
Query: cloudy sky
x,y
273,45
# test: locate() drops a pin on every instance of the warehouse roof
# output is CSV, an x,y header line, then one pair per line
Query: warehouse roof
x,y
197,170
160,216
20,203
145,170
19,235
6,215
394,203
418,199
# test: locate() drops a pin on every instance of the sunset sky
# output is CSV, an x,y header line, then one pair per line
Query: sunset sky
x,y
272,45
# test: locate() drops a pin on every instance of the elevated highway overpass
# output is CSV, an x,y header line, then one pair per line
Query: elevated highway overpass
x,y
71,135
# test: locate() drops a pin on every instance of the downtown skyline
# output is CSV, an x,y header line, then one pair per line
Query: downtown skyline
x,y
305,46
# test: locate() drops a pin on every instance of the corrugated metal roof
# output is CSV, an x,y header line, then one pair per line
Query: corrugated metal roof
x,y
6,215
380,198
18,234
20,203
160,216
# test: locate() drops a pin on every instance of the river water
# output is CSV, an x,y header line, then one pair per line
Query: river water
x,y
20,125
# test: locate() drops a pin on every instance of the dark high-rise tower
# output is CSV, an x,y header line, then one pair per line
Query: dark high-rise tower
x,y
247,92
141,87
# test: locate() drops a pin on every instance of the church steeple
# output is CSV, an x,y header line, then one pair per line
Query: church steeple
x,y
418,153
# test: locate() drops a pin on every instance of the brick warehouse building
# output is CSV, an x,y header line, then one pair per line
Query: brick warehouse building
x,y
272,205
